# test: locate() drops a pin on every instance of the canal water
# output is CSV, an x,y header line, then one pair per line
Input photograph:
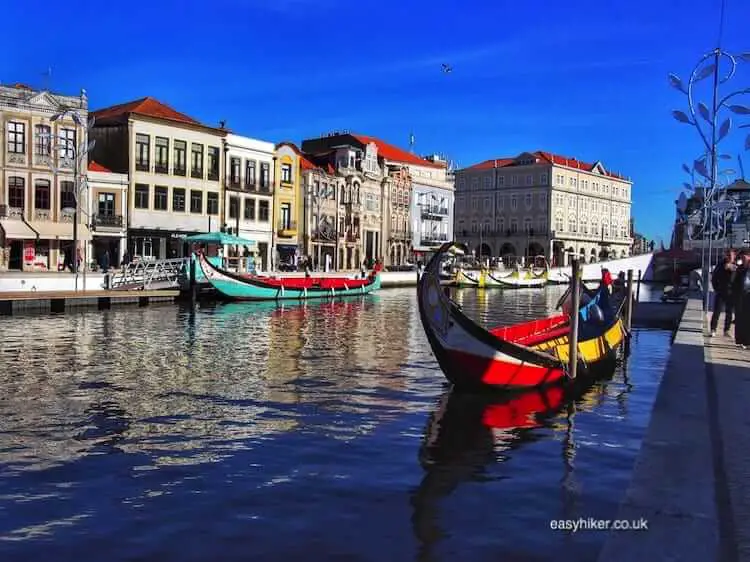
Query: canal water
x,y
298,432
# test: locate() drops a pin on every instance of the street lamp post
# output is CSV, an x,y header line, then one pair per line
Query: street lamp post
x,y
712,129
75,155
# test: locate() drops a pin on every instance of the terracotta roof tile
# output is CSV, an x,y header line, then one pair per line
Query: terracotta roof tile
x,y
94,166
148,107
396,154
549,157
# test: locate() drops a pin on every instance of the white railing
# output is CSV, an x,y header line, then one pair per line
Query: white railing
x,y
155,274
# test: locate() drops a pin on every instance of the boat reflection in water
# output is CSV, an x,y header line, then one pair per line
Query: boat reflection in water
x,y
470,433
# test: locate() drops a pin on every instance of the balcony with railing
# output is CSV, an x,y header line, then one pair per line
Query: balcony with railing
x,y
350,234
234,184
8,212
401,235
142,166
196,173
287,230
265,188
161,168
213,175
107,222
433,239
434,211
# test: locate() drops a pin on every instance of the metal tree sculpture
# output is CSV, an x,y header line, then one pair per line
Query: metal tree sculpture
x,y
713,126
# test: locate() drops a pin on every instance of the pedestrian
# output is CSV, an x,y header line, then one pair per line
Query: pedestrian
x,y
722,280
741,297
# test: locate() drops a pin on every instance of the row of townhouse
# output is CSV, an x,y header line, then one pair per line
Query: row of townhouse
x,y
155,175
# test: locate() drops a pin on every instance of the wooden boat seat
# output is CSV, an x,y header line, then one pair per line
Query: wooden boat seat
x,y
546,335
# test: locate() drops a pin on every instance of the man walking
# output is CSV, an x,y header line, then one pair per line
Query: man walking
x,y
721,280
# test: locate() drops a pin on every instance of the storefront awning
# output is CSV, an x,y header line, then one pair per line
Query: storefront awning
x,y
49,230
17,230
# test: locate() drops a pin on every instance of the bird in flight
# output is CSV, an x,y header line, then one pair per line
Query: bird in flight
x,y
447,68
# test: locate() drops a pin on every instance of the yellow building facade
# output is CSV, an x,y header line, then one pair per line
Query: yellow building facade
x,y
287,205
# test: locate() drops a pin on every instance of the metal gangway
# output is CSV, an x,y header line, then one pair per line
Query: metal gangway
x,y
150,275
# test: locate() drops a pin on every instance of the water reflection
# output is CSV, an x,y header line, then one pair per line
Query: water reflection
x,y
275,429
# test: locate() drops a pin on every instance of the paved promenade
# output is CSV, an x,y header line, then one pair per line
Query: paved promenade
x,y
691,480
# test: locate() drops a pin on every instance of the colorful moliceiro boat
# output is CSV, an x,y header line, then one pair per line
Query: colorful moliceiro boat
x,y
254,287
526,355
535,276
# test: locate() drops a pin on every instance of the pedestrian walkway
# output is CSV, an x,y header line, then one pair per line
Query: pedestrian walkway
x,y
691,480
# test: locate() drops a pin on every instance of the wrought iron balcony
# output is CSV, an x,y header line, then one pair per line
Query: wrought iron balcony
x,y
287,230
179,171
161,168
107,221
8,212
213,175
234,183
434,211
142,166
196,173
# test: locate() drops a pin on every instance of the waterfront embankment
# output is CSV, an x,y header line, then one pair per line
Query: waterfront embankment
x,y
690,481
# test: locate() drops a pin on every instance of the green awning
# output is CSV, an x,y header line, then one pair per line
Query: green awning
x,y
219,238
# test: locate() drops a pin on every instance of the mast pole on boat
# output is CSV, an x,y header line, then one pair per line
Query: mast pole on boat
x,y
575,294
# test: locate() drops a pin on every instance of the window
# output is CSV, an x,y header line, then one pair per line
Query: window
x,y
212,203
265,175
42,140
196,201
162,155
249,209
584,226
513,202
161,194
542,200
487,182
541,226
527,228
594,227
234,171
513,226
529,180
180,155
500,180
605,230
623,232
16,137
41,194
141,196
286,173
142,156
106,205
16,193
263,211
68,142
213,163
250,173
286,215
67,195
572,224
501,225
234,203
500,202
196,162
543,179
514,180
528,201
178,200
559,224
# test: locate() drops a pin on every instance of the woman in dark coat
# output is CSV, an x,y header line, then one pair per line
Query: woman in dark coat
x,y
741,298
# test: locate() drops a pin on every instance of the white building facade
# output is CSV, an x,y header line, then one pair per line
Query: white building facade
x,y
433,198
539,203
108,212
248,200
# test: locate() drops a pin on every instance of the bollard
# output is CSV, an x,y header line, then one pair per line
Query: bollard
x,y
638,288
629,301
575,294
193,285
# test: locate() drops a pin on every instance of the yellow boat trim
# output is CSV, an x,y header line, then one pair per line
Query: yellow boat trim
x,y
589,351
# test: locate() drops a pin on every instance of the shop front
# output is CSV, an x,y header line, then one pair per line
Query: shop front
x,y
18,245
157,244
287,256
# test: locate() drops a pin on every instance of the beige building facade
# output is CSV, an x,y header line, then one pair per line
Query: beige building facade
x,y
38,188
539,203
175,167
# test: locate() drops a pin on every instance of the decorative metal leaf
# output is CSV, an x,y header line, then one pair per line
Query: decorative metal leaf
x,y
724,129
725,156
744,56
681,117
740,109
700,167
705,72
687,170
676,83
687,186
703,110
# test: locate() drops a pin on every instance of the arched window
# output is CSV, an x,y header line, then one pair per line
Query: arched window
x,y
16,192
572,224
41,195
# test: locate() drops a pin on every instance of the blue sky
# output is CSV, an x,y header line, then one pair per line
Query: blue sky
x,y
586,79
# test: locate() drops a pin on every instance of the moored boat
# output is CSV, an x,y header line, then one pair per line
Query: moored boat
x,y
251,287
525,355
